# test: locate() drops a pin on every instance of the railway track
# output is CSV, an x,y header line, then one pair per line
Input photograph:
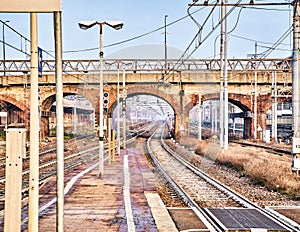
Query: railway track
x,y
206,133
275,150
202,193
77,152
190,193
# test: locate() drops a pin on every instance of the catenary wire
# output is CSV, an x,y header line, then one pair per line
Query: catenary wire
x,y
185,56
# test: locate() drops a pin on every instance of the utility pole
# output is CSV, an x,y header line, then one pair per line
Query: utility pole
x,y
223,59
199,117
124,110
274,107
118,114
222,77
33,208
255,95
166,49
225,78
296,89
211,116
3,49
59,122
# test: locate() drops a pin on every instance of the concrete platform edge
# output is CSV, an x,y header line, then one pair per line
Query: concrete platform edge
x,y
160,214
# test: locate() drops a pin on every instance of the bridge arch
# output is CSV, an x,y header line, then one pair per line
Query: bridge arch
x,y
22,117
172,99
48,97
243,102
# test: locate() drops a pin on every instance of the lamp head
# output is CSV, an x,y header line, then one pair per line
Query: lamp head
x,y
115,24
86,24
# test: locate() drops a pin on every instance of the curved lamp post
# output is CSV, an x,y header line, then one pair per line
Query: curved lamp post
x,y
86,25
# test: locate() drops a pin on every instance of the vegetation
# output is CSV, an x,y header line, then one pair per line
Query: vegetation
x,y
69,133
2,135
263,168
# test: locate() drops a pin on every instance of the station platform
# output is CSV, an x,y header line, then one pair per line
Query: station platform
x,y
124,199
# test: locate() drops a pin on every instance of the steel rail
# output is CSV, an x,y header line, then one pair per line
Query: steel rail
x,y
209,223
74,155
228,191
277,150
271,148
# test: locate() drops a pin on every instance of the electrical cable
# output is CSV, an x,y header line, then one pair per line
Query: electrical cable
x,y
268,51
190,15
135,37
237,21
235,26
184,56
253,40
15,31
158,29
242,7
263,8
14,47
277,49
197,35
142,35
27,54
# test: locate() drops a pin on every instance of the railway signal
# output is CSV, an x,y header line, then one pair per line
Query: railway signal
x,y
105,101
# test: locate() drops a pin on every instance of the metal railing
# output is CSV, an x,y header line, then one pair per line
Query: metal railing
x,y
152,65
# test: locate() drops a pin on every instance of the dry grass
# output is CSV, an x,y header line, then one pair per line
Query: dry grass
x,y
272,171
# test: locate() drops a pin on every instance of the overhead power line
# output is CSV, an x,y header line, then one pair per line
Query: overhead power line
x,y
28,41
253,40
238,4
14,47
135,37
187,55
256,3
159,29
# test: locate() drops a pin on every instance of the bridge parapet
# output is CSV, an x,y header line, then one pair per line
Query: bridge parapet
x,y
153,65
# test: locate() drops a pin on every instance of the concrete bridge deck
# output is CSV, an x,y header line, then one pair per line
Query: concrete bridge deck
x,y
180,85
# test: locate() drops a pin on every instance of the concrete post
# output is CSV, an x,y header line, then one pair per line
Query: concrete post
x,y
255,97
296,89
199,118
124,110
109,139
118,115
113,145
225,79
274,108
59,123
222,77
15,151
33,214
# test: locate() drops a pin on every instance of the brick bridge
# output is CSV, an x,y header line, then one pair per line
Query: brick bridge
x,y
179,85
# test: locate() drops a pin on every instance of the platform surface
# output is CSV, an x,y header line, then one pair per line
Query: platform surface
x,y
119,201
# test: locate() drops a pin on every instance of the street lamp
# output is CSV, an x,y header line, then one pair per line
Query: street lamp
x,y
3,31
86,25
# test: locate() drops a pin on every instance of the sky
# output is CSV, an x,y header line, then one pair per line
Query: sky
x,y
147,17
